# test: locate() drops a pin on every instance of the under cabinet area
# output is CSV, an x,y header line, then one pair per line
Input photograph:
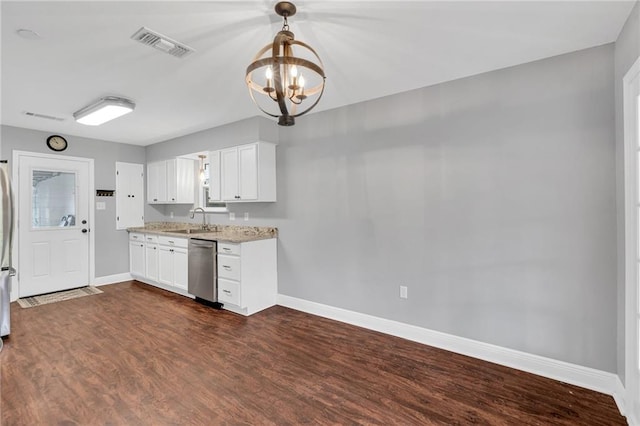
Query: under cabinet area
x,y
171,181
247,275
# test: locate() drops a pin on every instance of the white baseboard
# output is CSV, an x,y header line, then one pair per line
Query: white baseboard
x,y
619,395
597,380
111,279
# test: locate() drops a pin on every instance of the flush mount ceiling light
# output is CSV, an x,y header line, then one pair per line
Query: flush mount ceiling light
x,y
103,110
286,78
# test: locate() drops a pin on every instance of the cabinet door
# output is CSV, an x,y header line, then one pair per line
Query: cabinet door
x,y
172,181
165,267
136,258
229,169
215,193
129,195
185,182
180,268
248,173
151,261
157,182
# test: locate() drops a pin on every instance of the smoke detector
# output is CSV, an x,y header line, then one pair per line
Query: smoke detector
x,y
161,42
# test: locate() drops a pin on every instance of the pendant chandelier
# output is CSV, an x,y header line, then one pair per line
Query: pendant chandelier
x,y
286,78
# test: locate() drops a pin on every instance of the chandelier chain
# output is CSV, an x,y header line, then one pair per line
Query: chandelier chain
x,y
285,26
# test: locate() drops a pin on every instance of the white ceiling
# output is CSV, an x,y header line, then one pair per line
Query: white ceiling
x,y
370,49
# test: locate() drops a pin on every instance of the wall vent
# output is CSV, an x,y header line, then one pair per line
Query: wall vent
x,y
48,117
161,42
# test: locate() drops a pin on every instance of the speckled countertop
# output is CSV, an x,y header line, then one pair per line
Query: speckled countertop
x,y
224,233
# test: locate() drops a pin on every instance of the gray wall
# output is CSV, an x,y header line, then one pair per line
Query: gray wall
x,y
491,197
627,51
110,249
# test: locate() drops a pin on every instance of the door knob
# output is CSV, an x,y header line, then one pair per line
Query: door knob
x,y
84,231
84,222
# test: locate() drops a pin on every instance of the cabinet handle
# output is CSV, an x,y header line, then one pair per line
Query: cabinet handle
x,y
226,249
226,291
227,267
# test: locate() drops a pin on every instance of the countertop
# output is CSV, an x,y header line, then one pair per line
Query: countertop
x,y
224,233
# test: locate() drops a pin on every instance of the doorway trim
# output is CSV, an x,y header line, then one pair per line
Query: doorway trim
x,y
631,240
15,290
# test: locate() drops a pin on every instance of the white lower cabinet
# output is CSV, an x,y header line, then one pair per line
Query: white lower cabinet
x,y
247,272
160,261
136,254
173,262
151,257
248,275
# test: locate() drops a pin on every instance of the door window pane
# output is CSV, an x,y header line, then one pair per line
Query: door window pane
x,y
53,199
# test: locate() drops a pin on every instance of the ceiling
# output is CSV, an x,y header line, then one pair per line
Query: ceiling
x,y
370,49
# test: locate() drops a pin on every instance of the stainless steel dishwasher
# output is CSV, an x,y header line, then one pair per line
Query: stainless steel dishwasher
x,y
203,274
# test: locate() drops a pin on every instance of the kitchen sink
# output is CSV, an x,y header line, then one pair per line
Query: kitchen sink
x,y
192,231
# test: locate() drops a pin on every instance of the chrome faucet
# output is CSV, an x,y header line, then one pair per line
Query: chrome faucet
x,y
204,217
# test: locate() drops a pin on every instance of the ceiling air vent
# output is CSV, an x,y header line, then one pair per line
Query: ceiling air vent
x,y
48,117
165,44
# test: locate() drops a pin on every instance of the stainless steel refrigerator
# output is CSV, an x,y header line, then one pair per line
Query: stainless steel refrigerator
x,y
6,238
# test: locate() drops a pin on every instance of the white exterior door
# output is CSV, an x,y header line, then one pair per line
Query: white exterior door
x,y
53,224
632,242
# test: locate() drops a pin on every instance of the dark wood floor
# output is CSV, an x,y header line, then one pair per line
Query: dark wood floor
x,y
136,355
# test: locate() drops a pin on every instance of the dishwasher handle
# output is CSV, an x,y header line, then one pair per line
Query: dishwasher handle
x,y
202,243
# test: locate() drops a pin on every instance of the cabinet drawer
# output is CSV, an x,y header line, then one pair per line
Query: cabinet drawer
x,y
229,267
229,248
173,241
136,236
149,238
229,292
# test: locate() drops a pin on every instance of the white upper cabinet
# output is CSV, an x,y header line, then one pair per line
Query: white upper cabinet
x,y
129,195
157,182
171,181
215,190
248,173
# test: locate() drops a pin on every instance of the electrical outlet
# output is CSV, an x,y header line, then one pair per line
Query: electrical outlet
x,y
246,215
403,292
171,215
232,216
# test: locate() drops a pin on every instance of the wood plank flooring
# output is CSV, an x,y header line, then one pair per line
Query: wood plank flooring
x,y
137,355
